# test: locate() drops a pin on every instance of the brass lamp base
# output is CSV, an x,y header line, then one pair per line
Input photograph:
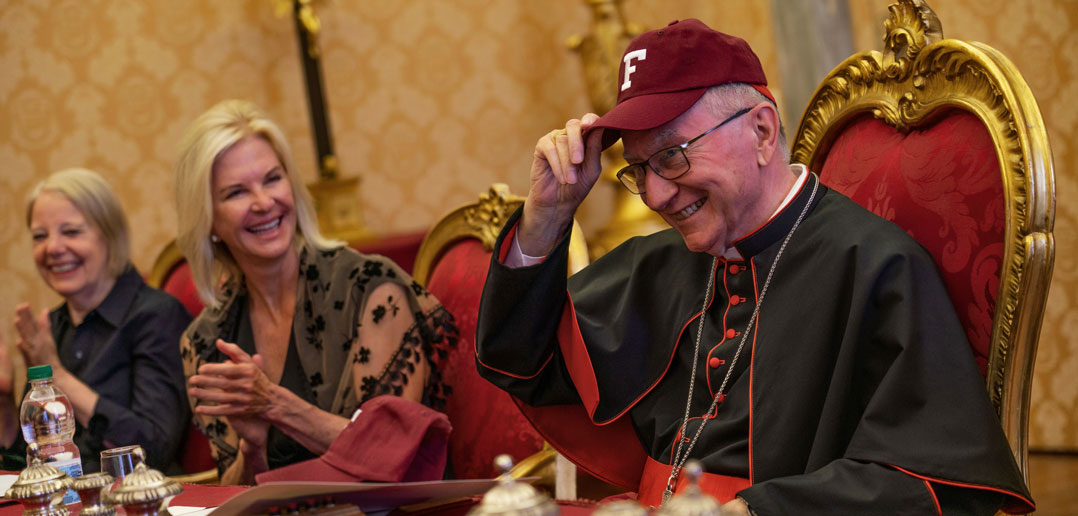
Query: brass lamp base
x,y
337,206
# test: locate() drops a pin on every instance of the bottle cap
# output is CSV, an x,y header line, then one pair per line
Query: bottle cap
x,y
39,372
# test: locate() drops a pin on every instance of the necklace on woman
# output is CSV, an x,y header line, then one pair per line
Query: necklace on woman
x,y
678,460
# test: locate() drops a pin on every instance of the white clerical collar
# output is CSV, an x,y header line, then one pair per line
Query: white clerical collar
x,y
731,252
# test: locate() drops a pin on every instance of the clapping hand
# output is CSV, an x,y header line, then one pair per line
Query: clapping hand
x,y
237,389
35,337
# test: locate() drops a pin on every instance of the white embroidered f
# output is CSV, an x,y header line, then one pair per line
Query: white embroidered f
x,y
639,55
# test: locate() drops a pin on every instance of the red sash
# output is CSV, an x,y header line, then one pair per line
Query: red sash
x,y
653,482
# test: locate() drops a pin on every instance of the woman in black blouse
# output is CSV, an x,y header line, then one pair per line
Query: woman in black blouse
x,y
298,330
113,343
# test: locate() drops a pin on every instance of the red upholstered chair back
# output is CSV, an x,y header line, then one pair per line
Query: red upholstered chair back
x,y
944,138
401,248
452,264
941,183
171,274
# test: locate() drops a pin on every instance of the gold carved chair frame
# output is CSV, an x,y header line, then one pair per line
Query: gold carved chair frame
x,y
483,220
916,75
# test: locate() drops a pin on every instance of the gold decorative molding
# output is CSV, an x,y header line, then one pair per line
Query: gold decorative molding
x,y
600,51
483,220
918,75
486,218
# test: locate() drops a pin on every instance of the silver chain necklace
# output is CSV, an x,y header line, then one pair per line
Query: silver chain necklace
x,y
679,458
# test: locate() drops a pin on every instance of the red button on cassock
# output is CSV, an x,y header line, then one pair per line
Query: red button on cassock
x,y
734,269
731,333
735,300
714,362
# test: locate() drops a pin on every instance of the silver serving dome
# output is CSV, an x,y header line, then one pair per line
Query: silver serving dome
x,y
90,489
692,501
40,489
144,492
512,498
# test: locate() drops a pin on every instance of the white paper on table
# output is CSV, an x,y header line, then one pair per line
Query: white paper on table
x,y
6,481
183,510
369,497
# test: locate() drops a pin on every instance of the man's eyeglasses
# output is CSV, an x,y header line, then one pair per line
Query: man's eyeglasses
x,y
669,163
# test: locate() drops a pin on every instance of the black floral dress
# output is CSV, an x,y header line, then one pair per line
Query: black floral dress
x,y
332,300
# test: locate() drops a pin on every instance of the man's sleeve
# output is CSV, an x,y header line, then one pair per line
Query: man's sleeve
x,y
516,332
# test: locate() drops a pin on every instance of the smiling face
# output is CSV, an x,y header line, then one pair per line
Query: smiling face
x,y
253,207
71,254
715,202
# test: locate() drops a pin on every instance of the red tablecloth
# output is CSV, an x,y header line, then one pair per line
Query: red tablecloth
x,y
195,495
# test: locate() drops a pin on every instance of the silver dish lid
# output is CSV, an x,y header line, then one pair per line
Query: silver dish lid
x,y
692,501
38,480
512,498
92,481
144,485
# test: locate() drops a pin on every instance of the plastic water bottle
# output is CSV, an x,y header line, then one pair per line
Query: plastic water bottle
x,y
48,421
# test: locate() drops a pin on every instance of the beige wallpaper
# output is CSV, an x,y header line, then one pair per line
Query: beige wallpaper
x,y
430,102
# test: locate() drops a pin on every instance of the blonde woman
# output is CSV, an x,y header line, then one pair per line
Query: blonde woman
x,y
112,344
298,330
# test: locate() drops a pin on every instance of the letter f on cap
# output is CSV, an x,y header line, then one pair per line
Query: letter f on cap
x,y
639,55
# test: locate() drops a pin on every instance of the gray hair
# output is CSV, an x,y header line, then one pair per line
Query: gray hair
x,y
725,99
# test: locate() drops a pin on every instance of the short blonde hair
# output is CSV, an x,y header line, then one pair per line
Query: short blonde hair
x,y
213,133
96,200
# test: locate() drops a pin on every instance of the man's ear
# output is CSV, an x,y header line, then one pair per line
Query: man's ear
x,y
765,119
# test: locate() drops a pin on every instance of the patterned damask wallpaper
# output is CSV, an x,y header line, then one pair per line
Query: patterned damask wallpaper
x,y
430,102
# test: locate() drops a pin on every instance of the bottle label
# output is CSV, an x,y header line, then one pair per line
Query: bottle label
x,y
73,468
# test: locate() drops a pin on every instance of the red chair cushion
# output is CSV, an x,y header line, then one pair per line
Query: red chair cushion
x,y
485,420
197,456
402,249
181,285
942,184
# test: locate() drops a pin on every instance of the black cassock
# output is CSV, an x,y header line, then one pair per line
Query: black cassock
x,y
856,391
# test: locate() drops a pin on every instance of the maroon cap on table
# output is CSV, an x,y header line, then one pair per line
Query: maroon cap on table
x,y
664,72
392,440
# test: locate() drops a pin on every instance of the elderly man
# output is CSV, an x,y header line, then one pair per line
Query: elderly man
x,y
803,349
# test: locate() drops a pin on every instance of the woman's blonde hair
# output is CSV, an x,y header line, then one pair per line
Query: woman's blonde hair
x,y
97,202
213,133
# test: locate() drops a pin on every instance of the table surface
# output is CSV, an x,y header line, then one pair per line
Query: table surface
x,y
195,495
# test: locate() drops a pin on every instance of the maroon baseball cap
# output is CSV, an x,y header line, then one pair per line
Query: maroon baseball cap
x,y
664,72
392,440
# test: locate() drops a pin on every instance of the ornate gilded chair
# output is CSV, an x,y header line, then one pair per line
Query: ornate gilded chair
x,y
171,273
452,263
944,138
